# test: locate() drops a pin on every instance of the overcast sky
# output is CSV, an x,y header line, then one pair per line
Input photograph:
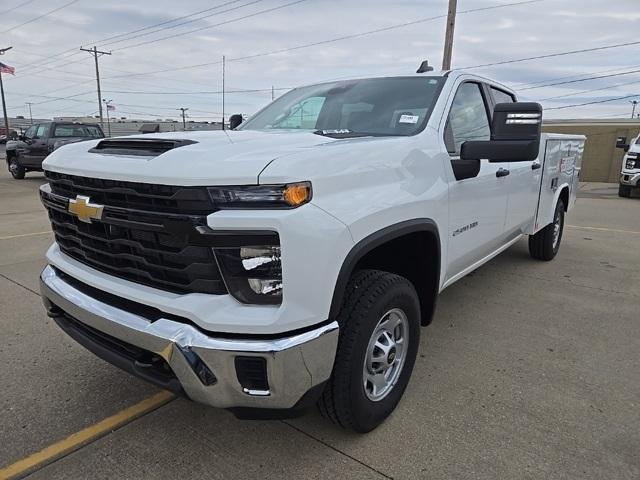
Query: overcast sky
x,y
48,61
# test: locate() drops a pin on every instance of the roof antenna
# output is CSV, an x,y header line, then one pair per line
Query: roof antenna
x,y
424,67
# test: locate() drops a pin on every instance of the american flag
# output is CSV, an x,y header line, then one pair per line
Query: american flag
x,y
7,69
111,108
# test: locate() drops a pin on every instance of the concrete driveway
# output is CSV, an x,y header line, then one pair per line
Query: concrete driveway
x,y
530,370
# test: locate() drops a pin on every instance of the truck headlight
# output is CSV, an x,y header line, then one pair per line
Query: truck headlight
x,y
253,274
291,195
631,163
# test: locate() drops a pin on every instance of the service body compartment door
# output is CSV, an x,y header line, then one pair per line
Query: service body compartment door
x,y
561,165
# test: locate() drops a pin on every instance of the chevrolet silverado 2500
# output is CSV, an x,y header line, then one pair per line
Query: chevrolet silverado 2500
x,y
292,261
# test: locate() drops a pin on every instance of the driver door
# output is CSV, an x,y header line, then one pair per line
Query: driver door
x,y
477,203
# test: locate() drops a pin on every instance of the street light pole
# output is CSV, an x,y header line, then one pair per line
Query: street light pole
x,y
184,121
30,114
224,67
107,103
448,38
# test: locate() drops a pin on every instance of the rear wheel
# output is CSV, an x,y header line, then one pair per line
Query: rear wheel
x,y
624,191
545,244
379,337
17,171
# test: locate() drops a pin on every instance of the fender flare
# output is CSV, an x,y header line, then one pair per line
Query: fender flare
x,y
370,242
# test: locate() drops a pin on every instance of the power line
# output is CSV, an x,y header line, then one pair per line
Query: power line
x,y
608,87
202,92
41,16
52,58
527,84
183,23
592,103
268,10
331,40
23,4
550,55
582,80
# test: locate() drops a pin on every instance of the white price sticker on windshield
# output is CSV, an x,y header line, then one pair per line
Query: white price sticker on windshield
x,y
409,118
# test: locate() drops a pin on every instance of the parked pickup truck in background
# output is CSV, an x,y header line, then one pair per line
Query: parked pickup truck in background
x,y
27,152
292,261
630,175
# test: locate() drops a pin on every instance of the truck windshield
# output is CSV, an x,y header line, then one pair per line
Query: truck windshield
x,y
377,106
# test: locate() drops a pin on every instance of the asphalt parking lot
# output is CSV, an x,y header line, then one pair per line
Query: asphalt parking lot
x,y
530,370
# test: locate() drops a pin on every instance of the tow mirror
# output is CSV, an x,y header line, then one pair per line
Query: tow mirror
x,y
235,121
515,135
621,142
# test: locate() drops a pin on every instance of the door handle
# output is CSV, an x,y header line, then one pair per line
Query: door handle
x,y
502,172
536,166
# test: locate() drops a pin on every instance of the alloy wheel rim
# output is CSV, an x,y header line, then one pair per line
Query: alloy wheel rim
x,y
557,225
386,354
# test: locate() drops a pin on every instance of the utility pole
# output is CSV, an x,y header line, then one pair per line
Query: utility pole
x,y
184,121
448,38
4,103
97,53
30,114
224,67
633,110
107,103
273,93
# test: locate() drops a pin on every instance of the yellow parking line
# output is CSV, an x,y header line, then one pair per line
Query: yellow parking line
x,y
603,229
78,439
25,235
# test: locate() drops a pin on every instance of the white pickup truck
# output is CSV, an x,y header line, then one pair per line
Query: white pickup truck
x,y
630,174
292,261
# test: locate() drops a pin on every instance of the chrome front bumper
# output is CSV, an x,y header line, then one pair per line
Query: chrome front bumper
x,y
631,179
295,363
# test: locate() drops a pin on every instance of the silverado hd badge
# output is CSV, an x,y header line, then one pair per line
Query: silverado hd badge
x,y
84,210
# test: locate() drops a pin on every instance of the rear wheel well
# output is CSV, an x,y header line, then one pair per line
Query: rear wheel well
x,y
564,196
414,256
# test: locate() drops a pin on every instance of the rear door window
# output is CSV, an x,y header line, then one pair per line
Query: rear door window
x,y
81,131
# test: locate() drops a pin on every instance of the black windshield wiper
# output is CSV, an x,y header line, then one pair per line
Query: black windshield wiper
x,y
341,133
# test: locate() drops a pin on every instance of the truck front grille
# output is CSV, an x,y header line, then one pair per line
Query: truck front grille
x,y
156,249
133,195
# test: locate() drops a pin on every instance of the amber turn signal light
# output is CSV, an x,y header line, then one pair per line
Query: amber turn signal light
x,y
296,194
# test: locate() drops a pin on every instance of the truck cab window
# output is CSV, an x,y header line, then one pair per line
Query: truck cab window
x,y
502,97
468,118
30,133
42,131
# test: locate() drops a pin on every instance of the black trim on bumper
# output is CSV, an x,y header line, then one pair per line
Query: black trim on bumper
x,y
134,360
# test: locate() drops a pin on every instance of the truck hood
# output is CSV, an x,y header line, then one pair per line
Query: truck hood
x,y
217,157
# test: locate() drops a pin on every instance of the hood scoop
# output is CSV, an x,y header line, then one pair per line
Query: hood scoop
x,y
144,147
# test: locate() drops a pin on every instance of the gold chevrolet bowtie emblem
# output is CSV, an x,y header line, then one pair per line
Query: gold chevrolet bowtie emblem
x,y
84,210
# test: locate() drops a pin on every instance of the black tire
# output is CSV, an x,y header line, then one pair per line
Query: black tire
x,y
369,296
624,191
544,245
16,170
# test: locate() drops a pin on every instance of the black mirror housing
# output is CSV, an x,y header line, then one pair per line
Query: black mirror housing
x,y
235,121
515,135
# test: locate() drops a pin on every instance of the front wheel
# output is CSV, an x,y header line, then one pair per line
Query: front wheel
x,y
17,171
624,191
379,337
545,244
